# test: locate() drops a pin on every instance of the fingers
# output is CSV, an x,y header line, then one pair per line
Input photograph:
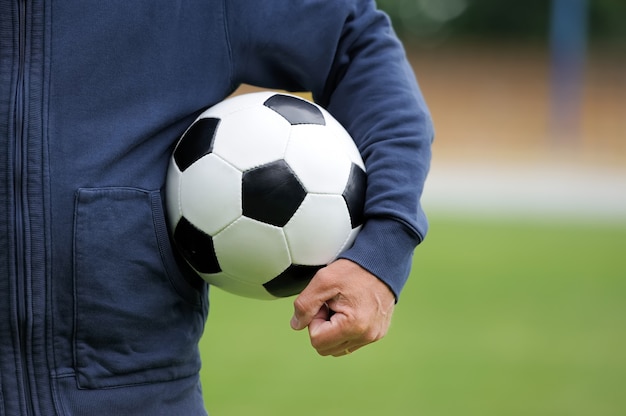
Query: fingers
x,y
323,331
345,331
311,303
340,351
344,307
334,336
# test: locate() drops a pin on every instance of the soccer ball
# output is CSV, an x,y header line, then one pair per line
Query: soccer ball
x,y
264,189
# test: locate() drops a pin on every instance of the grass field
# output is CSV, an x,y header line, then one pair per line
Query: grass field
x,y
499,318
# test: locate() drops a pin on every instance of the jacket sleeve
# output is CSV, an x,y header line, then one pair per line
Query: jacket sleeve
x,y
346,54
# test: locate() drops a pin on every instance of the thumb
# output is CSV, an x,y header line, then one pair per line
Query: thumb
x,y
309,305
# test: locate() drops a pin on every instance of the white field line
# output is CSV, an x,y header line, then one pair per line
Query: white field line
x,y
550,192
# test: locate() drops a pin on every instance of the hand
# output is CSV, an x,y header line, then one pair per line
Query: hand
x,y
345,307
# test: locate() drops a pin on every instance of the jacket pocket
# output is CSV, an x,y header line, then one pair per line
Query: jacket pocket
x,y
136,318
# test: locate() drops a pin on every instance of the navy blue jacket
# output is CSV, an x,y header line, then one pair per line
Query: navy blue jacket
x,y
96,316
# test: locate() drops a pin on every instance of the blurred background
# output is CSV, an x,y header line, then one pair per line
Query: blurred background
x,y
537,87
517,300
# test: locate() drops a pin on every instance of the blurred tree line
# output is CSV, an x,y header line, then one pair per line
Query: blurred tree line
x,y
438,20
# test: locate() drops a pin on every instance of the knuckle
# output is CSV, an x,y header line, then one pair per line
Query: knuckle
x,y
371,336
323,276
317,344
360,328
367,333
299,304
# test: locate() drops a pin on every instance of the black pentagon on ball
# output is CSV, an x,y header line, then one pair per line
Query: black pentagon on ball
x,y
292,281
354,195
196,247
196,142
295,110
271,193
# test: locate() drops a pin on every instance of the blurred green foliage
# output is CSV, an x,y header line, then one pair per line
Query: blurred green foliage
x,y
436,20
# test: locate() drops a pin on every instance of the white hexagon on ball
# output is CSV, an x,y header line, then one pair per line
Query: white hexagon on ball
x,y
236,103
252,251
343,138
252,137
318,159
209,203
318,231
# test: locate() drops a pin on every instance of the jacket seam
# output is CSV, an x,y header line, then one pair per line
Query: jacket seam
x,y
228,44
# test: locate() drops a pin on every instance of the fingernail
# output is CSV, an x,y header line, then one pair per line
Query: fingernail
x,y
295,323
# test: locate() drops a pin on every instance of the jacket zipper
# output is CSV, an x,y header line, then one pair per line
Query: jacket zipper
x,y
24,320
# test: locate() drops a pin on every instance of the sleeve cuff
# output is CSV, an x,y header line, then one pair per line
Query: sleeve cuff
x,y
385,247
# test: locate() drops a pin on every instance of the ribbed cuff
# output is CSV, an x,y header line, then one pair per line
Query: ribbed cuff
x,y
385,247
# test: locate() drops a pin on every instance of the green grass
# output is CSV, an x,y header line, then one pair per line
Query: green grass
x,y
499,318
